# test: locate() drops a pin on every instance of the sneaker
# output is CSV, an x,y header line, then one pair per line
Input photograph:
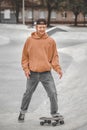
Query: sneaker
x,y
21,117
56,115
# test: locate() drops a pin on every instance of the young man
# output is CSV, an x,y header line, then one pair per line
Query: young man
x,y
38,57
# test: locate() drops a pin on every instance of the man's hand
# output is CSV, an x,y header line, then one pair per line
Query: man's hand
x,y
27,74
60,73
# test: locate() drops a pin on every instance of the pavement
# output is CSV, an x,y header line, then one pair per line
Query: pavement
x,y
72,90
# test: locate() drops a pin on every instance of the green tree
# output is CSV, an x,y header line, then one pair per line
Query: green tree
x,y
76,6
84,10
50,5
17,5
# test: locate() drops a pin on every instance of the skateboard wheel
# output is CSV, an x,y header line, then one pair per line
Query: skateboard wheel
x,y
49,122
54,123
41,123
61,122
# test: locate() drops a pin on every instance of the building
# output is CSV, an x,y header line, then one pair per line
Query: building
x,y
28,11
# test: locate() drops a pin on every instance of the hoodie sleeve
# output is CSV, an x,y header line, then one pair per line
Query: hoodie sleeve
x,y
25,57
55,59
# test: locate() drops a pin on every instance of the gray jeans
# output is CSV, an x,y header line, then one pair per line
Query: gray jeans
x,y
47,81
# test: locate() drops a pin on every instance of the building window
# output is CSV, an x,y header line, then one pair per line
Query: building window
x,y
73,17
42,14
29,14
20,15
53,15
7,14
86,16
64,15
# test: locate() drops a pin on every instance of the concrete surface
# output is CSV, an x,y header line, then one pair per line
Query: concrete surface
x,y
72,90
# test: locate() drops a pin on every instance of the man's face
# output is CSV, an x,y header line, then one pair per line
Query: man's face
x,y
41,29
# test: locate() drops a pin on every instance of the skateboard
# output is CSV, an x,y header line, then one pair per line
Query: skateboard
x,y
52,120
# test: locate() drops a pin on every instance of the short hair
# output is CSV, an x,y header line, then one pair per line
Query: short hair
x,y
41,22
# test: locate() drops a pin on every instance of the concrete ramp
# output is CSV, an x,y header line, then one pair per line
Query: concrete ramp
x,y
72,88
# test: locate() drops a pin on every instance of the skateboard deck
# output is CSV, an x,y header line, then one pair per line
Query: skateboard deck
x,y
52,121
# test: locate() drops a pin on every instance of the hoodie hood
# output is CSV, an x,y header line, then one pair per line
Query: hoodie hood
x,y
36,36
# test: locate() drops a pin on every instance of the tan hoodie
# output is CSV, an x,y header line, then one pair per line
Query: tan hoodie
x,y
40,54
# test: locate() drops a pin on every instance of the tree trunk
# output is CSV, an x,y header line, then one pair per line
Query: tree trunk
x,y
84,21
17,11
76,15
49,17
